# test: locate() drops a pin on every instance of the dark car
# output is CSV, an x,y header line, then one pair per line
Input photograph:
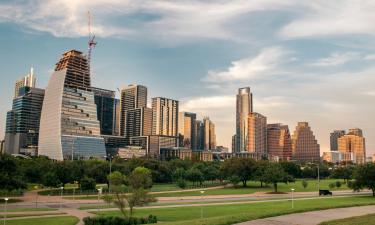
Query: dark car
x,y
325,192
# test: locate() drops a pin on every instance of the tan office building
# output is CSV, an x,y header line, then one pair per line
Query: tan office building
x,y
305,147
165,116
187,130
209,134
257,131
279,142
353,143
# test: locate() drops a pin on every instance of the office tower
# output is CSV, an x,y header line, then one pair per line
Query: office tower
x,y
305,147
165,116
356,131
209,134
116,118
187,130
279,142
22,122
199,134
132,97
105,105
353,142
234,139
27,81
257,133
244,106
334,136
138,122
69,127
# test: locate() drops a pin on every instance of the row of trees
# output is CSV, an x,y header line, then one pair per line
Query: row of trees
x,y
17,172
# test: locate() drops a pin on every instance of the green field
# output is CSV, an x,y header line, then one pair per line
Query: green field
x,y
30,209
255,187
358,220
63,220
229,214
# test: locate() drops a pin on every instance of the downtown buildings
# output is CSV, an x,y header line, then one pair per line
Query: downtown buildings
x,y
305,147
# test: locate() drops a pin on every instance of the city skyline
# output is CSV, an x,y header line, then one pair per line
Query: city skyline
x,y
330,67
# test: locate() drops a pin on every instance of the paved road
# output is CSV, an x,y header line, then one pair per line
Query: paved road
x,y
314,217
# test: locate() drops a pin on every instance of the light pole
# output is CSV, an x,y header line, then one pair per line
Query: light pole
x,y
202,192
61,194
110,170
292,197
99,193
5,209
74,189
36,197
318,176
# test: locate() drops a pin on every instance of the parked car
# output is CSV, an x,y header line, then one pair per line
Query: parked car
x,y
325,192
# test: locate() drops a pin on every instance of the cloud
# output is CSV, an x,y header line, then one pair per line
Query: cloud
x,y
336,59
266,63
326,18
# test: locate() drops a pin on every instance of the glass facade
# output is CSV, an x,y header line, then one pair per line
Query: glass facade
x,y
106,110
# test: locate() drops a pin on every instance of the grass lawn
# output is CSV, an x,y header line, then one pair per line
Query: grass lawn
x,y
367,219
229,214
30,209
36,214
63,220
255,187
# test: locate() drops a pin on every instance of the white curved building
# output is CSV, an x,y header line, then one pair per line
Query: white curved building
x,y
69,127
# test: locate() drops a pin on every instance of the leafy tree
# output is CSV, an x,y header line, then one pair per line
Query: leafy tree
x,y
88,183
343,172
234,180
261,166
50,179
304,184
179,174
10,177
338,184
194,175
181,183
274,174
291,168
364,177
140,178
241,167
139,197
118,188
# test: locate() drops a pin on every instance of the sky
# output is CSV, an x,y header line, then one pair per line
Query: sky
x,y
308,61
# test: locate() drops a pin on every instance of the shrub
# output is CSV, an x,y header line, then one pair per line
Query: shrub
x,y
119,220
181,183
338,184
332,185
88,183
304,184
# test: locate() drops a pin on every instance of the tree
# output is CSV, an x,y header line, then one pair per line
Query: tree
x,y
241,167
274,174
304,184
338,184
332,185
118,188
50,179
343,172
88,183
194,175
364,177
10,177
291,168
140,178
179,174
259,171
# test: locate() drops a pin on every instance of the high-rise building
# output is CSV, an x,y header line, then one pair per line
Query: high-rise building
x,y
187,130
69,127
279,142
138,122
234,139
132,97
105,105
353,142
305,147
244,106
334,136
257,133
199,130
209,134
165,116
27,81
22,122
117,116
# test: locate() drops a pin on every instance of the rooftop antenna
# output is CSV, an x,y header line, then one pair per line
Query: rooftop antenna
x,y
92,43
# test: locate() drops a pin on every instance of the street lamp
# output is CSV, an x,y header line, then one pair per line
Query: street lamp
x,y
110,170
36,197
99,193
5,209
292,197
74,189
61,194
202,192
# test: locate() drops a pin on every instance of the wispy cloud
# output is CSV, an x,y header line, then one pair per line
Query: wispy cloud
x,y
336,59
266,63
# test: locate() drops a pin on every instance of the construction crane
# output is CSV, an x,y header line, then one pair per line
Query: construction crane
x,y
91,43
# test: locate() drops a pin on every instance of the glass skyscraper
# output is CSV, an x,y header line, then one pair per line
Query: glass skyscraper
x,y
69,127
244,106
106,109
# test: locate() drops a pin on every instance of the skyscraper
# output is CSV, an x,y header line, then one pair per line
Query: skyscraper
x,y
334,136
305,147
244,106
257,133
187,130
353,142
69,127
22,122
27,81
209,134
116,118
165,116
132,97
138,122
199,134
105,105
279,142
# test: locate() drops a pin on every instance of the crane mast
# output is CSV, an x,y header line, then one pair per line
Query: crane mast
x,y
91,43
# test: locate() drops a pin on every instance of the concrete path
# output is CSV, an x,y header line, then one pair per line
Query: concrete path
x,y
314,217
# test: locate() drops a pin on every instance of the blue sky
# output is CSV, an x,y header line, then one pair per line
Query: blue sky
x,y
304,60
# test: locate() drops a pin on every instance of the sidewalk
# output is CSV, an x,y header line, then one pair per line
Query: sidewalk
x,y
314,217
